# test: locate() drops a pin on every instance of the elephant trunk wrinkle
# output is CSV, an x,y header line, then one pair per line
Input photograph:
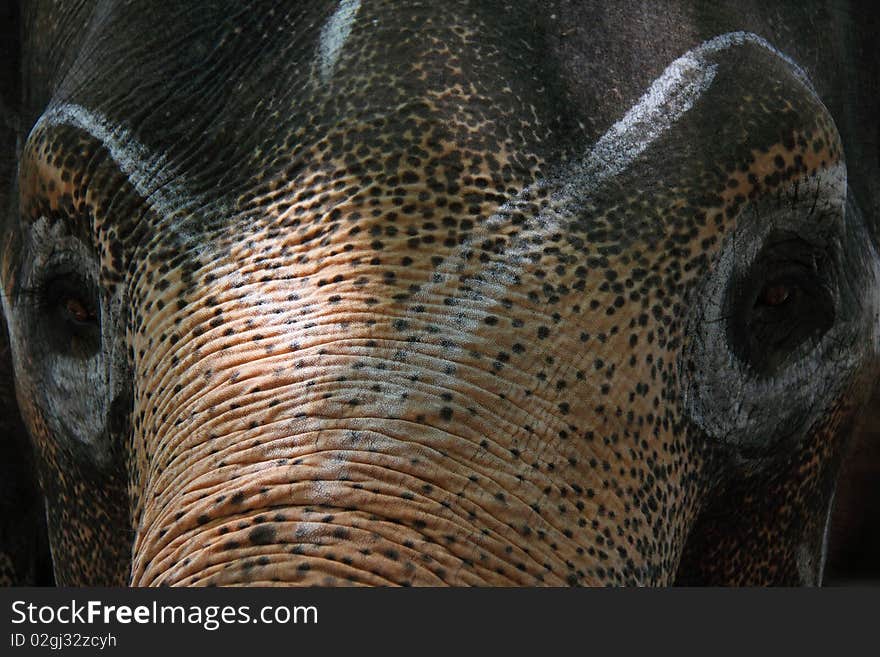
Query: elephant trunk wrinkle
x,y
500,484
302,545
473,522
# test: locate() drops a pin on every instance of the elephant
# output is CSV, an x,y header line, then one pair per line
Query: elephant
x,y
360,292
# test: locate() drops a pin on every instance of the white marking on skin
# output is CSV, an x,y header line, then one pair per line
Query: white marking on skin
x,y
52,556
334,34
150,174
668,98
826,532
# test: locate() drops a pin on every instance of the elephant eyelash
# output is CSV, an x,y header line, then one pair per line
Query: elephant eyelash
x,y
40,298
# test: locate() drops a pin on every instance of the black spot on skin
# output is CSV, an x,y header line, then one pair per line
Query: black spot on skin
x,y
262,535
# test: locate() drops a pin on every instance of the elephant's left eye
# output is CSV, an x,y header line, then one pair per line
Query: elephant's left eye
x,y
77,311
774,294
72,315
782,305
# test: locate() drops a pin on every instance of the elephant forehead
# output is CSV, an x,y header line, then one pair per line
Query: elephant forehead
x,y
408,155
439,114
233,96
404,263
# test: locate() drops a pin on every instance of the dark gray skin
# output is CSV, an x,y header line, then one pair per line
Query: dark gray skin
x,y
408,293
24,553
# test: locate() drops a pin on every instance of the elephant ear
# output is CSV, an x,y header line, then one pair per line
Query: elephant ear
x,y
24,551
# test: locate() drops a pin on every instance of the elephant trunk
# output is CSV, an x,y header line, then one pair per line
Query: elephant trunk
x,y
354,505
332,466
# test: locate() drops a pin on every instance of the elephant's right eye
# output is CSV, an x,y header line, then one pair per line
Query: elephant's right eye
x,y
782,306
72,315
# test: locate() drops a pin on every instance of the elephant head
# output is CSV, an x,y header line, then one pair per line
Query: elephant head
x,y
460,293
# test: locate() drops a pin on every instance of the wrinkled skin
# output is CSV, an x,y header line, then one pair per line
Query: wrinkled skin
x,y
411,293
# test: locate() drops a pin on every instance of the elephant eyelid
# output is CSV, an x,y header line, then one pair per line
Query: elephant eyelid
x,y
78,311
58,290
67,314
70,297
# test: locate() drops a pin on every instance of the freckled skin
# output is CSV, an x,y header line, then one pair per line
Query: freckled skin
x,y
352,328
